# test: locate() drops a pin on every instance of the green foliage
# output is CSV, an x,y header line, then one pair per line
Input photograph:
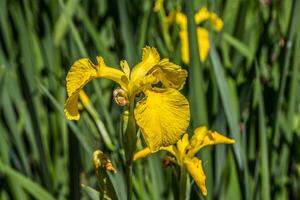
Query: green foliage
x,y
248,88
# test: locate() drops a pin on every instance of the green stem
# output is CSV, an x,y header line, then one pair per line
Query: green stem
x,y
129,137
182,184
129,181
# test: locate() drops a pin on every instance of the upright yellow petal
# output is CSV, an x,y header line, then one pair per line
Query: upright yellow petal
x,y
152,70
125,68
170,74
83,71
181,20
150,58
203,43
162,117
158,5
202,15
195,169
203,137
181,147
216,22
184,42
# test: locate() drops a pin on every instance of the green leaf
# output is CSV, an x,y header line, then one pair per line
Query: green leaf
x,y
92,193
240,46
230,113
31,187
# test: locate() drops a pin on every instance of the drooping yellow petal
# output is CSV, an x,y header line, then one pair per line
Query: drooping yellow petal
x,y
83,71
71,108
216,22
184,42
162,117
170,74
195,169
202,15
203,137
150,58
203,43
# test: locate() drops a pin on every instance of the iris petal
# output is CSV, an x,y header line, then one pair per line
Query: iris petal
x,y
83,71
184,42
162,117
203,137
170,74
203,43
147,151
216,22
150,58
142,153
195,169
202,15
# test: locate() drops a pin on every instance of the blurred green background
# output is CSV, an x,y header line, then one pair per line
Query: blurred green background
x,y
248,89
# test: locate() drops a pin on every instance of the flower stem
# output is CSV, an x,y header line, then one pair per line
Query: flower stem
x,y
129,181
182,184
129,142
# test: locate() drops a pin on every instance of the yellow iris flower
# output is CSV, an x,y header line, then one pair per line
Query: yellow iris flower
x,y
185,150
162,109
158,5
203,35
